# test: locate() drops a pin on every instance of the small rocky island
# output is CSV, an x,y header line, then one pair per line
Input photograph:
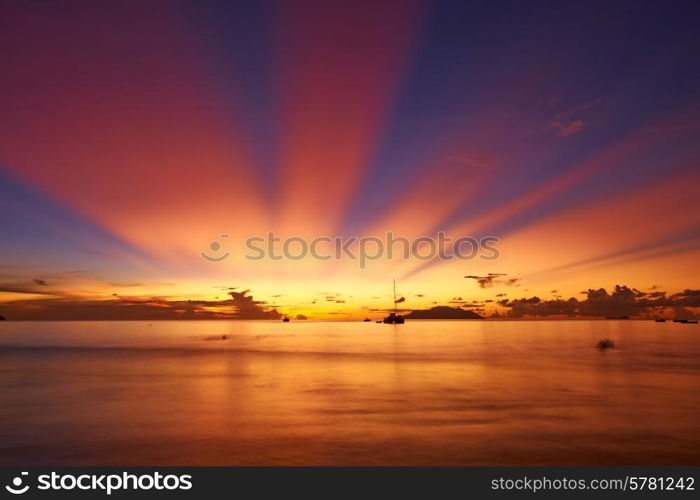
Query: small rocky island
x,y
443,312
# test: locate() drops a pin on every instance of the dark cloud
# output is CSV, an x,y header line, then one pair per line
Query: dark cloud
x,y
459,301
39,282
686,298
534,306
249,308
67,307
484,281
492,279
683,313
76,308
622,301
23,288
400,299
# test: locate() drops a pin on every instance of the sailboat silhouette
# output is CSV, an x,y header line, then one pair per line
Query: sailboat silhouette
x,y
394,318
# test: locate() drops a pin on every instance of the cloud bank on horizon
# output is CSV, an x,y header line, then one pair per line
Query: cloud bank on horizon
x,y
621,301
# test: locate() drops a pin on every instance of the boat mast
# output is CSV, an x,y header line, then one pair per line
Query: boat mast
x,y
395,311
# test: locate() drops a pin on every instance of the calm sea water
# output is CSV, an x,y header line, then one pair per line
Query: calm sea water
x,y
427,392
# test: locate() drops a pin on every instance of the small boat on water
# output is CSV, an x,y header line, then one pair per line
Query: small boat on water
x,y
660,320
394,318
686,321
286,319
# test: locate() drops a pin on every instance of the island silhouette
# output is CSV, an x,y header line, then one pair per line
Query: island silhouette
x,y
443,312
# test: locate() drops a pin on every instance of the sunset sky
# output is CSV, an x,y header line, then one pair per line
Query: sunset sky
x,y
133,134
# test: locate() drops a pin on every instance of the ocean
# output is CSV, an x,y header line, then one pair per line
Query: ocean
x,y
349,393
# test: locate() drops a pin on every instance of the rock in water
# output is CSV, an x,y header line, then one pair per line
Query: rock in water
x,y
605,344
